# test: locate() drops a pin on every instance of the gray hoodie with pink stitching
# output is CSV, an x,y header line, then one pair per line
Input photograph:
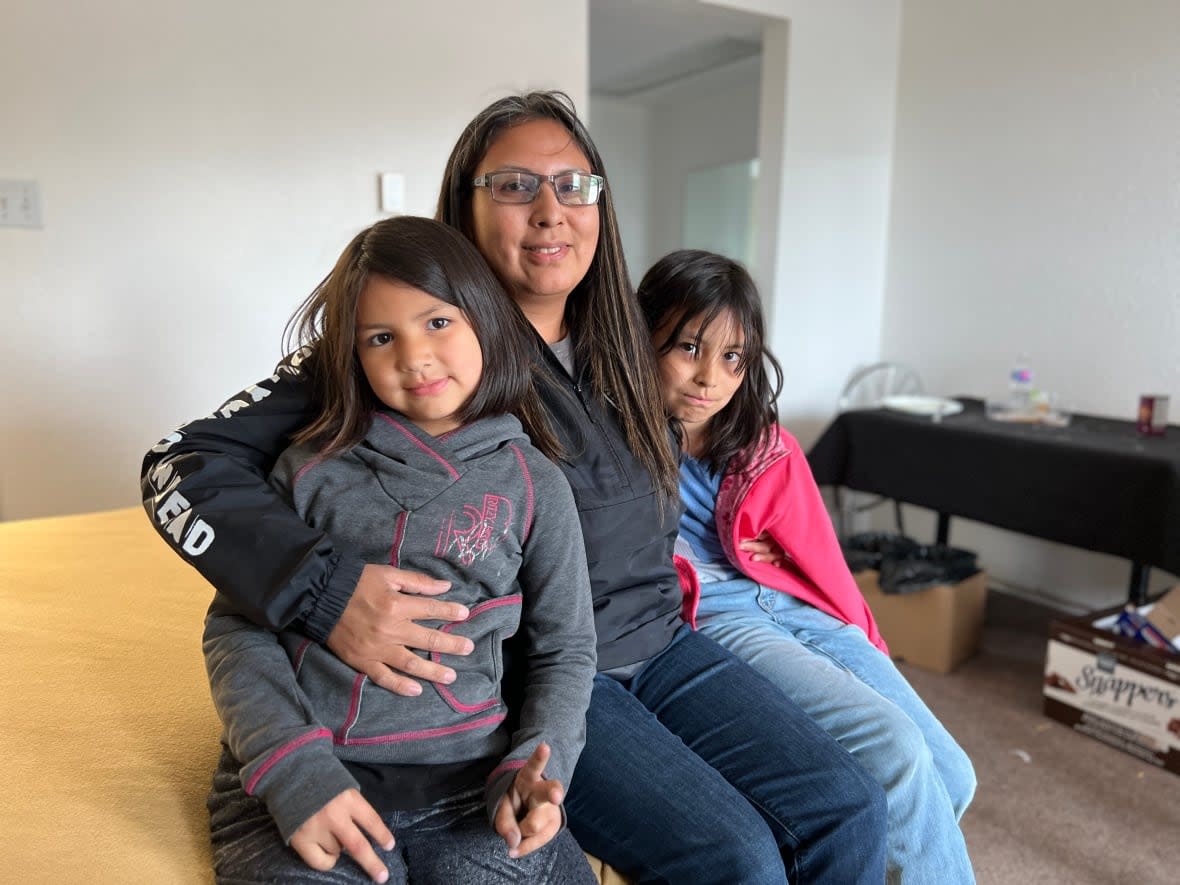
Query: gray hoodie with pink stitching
x,y
479,507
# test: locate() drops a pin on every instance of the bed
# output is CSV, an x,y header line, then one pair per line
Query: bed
x,y
111,737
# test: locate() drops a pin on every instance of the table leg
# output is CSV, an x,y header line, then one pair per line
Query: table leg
x,y
1140,578
944,528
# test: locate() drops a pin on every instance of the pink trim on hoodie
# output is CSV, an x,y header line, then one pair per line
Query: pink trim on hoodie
x,y
779,495
446,693
529,493
417,442
280,753
510,765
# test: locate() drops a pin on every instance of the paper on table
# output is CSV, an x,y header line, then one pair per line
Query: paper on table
x,y
923,405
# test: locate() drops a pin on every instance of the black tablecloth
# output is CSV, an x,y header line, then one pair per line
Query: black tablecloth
x,y
1095,484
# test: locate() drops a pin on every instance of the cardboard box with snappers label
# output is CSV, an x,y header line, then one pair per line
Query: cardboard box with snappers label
x,y
1121,692
937,628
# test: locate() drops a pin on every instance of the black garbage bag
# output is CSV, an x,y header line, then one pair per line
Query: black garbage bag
x,y
927,566
905,566
868,549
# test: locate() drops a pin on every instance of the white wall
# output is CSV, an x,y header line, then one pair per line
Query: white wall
x,y
700,122
820,120
651,141
839,62
201,166
622,133
825,145
1036,209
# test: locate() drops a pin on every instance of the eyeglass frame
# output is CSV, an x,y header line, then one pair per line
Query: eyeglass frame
x,y
485,180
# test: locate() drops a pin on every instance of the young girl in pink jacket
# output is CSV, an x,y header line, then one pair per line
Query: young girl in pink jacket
x,y
767,577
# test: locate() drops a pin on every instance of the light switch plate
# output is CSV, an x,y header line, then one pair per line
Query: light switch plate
x,y
20,203
393,193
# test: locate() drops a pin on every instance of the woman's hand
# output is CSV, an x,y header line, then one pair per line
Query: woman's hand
x,y
340,826
376,630
529,815
764,549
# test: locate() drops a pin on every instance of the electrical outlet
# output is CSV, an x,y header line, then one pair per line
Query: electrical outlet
x,y
20,203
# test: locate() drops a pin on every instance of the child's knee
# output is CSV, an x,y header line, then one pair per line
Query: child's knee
x,y
958,775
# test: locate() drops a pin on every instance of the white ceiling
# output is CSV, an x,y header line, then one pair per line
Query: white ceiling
x,y
637,45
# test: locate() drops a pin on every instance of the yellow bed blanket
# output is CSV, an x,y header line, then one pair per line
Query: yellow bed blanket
x,y
110,738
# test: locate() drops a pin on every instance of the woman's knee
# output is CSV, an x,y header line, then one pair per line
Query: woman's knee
x,y
733,843
868,809
753,856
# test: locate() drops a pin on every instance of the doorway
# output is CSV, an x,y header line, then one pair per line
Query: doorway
x,y
675,103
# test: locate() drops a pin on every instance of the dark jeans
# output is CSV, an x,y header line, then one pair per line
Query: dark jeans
x,y
447,844
700,770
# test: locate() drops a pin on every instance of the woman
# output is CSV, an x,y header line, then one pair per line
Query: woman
x,y
695,768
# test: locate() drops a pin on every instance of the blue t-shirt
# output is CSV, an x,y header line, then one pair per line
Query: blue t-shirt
x,y
697,540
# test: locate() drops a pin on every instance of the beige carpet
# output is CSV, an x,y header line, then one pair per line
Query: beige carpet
x,y
1053,806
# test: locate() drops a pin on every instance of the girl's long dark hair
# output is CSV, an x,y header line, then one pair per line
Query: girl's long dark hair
x,y
437,259
601,312
692,284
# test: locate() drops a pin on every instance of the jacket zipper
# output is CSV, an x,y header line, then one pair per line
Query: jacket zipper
x,y
582,399
604,435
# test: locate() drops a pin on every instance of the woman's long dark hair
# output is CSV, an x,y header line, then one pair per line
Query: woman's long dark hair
x,y
601,312
437,259
692,284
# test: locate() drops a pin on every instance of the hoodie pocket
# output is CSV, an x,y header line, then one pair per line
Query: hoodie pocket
x,y
477,675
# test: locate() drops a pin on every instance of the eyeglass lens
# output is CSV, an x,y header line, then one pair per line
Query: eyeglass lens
x,y
572,188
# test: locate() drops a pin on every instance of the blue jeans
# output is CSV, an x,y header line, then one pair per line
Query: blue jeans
x,y
700,770
859,697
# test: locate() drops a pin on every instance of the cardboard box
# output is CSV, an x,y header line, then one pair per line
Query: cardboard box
x,y
1121,692
937,628
1165,614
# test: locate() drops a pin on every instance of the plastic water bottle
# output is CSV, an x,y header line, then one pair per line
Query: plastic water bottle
x,y
1020,383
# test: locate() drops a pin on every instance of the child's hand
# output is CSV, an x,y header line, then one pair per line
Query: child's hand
x,y
764,549
336,828
530,812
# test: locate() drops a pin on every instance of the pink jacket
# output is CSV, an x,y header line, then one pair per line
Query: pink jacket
x,y
779,495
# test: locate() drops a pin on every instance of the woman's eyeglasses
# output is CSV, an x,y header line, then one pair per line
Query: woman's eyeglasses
x,y
572,188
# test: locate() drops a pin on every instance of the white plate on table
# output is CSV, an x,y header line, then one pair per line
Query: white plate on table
x,y
922,405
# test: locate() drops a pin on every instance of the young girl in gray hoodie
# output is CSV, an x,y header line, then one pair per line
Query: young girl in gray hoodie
x,y
416,458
